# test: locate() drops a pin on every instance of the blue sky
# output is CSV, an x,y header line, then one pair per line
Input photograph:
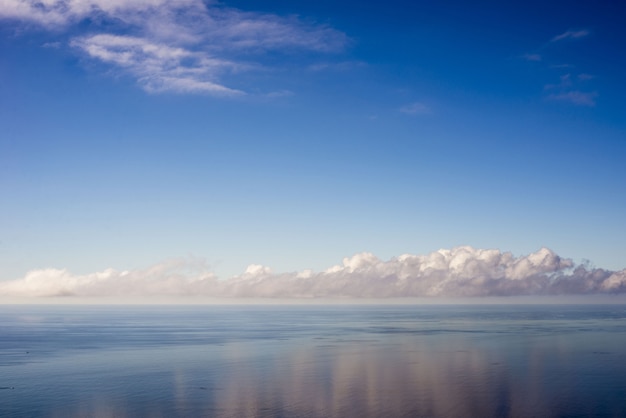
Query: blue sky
x,y
293,134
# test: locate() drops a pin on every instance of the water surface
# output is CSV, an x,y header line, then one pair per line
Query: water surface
x,y
313,361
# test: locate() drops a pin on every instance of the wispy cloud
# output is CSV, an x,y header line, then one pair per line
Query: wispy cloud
x,y
571,34
337,66
566,82
456,272
565,91
569,88
184,46
561,66
575,97
160,67
416,108
53,45
585,77
532,57
59,13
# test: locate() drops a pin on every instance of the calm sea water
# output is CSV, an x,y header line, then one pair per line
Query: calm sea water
x,y
313,361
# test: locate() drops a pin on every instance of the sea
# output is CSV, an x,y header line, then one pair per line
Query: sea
x,y
313,361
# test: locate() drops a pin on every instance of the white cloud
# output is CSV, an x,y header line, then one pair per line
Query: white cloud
x,y
575,97
456,272
54,45
174,277
235,29
567,90
257,270
532,57
160,67
416,108
57,13
585,77
183,46
566,82
616,282
571,34
337,66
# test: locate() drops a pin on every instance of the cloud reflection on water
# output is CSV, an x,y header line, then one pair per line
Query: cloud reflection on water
x,y
339,362
438,376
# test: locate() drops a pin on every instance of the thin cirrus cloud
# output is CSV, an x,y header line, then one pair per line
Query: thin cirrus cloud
x,y
158,67
184,46
457,272
568,89
563,91
565,83
416,108
578,98
571,34
532,57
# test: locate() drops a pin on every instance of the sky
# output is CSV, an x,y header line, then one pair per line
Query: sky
x,y
293,141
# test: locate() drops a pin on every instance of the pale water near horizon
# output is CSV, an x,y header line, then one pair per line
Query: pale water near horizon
x,y
313,361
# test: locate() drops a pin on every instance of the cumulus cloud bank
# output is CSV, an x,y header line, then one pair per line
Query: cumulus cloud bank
x,y
457,272
184,46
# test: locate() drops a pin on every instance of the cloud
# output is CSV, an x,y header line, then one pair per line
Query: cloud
x,y
571,34
416,108
159,67
585,77
567,90
54,45
566,82
532,57
457,272
59,13
575,97
336,66
174,277
183,46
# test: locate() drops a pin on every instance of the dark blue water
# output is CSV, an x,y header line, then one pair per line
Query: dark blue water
x,y
312,361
